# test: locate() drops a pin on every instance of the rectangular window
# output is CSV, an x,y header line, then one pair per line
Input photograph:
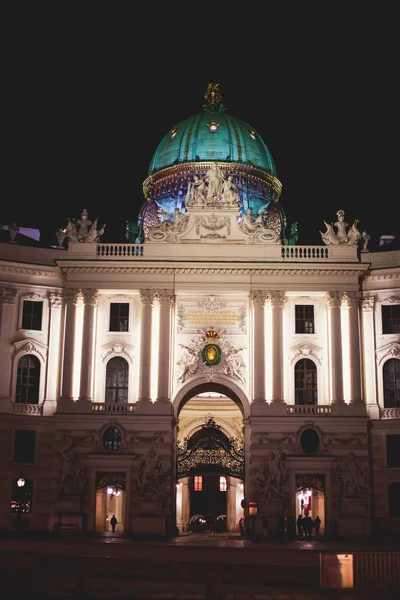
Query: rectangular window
x,y
32,315
198,483
222,484
393,450
305,318
24,446
391,319
119,316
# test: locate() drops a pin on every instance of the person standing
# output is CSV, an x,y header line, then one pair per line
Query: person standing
x,y
317,525
299,524
113,522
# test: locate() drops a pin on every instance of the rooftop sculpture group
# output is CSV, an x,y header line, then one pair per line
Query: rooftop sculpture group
x,y
81,230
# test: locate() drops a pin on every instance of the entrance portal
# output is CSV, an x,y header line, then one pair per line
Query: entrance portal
x,y
210,464
310,497
110,501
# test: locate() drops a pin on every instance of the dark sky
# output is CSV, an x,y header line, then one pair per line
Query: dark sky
x,y
91,88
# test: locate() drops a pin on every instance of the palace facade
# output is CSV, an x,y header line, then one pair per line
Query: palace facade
x,y
210,365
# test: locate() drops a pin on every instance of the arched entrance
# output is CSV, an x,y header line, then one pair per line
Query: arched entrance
x,y
210,459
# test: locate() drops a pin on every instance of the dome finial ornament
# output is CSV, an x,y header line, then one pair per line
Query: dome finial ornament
x,y
213,96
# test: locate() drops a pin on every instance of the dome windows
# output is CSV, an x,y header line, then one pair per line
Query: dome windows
x,y
173,133
252,134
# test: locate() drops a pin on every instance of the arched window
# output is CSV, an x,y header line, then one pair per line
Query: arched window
x,y
394,499
305,382
112,439
28,378
391,383
117,380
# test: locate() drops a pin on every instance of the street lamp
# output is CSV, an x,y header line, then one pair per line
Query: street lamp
x,y
21,485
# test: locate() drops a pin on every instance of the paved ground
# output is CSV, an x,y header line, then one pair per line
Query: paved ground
x,y
189,567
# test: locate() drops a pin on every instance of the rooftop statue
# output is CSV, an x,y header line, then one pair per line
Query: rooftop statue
x,y
83,230
343,235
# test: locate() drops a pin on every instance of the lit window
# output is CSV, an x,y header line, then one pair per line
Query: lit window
x,y
174,132
222,484
252,134
198,483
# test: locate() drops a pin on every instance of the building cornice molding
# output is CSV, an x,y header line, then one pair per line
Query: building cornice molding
x,y
213,271
53,272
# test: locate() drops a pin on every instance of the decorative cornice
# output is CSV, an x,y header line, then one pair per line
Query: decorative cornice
x,y
214,271
54,272
32,296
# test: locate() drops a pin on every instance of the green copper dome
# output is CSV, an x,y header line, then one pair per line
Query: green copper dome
x,y
212,135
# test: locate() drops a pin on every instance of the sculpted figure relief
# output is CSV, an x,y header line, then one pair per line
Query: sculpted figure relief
x,y
151,474
249,223
272,476
214,178
72,479
351,477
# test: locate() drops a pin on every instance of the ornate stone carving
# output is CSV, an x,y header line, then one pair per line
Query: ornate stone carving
x,y
343,235
334,299
151,475
213,223
147,296
116,348
56,300
30,347
258,297
90,296
392,352
72,474
350,299
272,476
165,297
306,351
32,296
72,295
8,295
351,477
277,299
368,304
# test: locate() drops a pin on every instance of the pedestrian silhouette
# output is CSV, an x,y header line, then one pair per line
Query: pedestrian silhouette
x,y
113,522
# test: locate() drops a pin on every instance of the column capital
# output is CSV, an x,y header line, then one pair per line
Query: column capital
x,y
165,297
8,295
350,299
56,300
258,297
72,295
90,296
277,299
334,299
368,304
147,296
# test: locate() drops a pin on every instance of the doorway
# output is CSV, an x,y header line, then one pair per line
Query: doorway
x,y
110,501
310,498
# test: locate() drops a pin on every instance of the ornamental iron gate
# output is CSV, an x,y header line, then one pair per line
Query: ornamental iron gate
x,y
210,449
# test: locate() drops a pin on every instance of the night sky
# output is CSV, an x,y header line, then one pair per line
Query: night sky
x,y
91,88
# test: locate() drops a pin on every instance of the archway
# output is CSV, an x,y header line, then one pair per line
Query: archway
x,y
210,457
110,501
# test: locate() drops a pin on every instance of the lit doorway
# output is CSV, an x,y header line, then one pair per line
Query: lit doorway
x,y
310,498
110,501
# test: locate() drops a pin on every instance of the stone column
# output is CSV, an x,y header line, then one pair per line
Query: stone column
x,y
72,297
277,301
350,301
54,354
91,299
166,299
146,297
334,301
368,354
7,327
258,298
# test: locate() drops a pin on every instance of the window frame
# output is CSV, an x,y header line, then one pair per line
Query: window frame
x,y
118,387
119,318
303,319
37,301
390,321
17,375
312,390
